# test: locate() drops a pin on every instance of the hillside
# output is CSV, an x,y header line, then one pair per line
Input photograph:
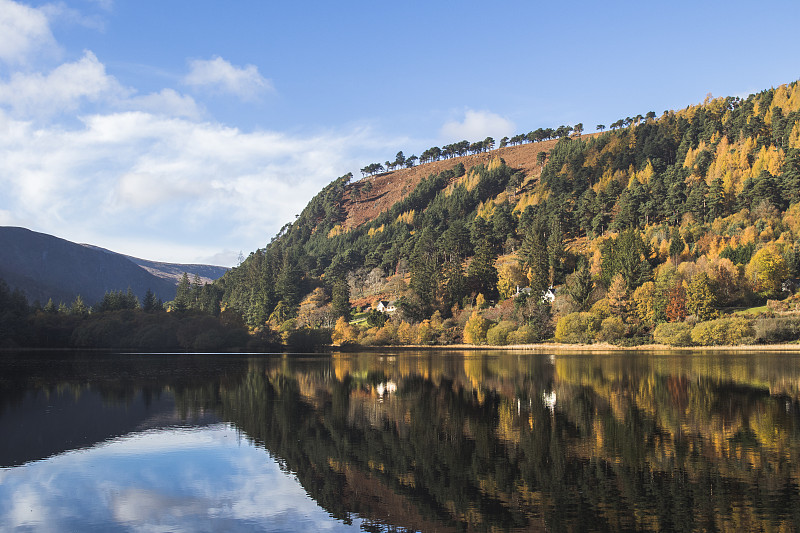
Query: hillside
x,y
389,188
46,267
649,231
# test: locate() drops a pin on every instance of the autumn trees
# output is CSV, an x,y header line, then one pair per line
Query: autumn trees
x,y
669,219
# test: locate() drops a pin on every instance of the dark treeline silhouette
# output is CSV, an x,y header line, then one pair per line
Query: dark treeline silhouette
x,y
119,321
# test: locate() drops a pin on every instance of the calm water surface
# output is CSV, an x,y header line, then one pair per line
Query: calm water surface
x,y
429,441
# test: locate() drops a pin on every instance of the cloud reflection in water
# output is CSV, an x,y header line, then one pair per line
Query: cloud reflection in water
x,y
206,479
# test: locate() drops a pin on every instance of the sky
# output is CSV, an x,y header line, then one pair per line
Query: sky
x,y
192,131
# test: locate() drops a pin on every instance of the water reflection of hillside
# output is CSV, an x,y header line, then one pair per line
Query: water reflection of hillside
x,y
475,441
54,403
631,442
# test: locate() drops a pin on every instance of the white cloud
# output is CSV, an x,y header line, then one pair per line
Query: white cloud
x,y
166,102
476,126
24,31
87,159
218,74
7,218
197,480
62,90
121,178
224,257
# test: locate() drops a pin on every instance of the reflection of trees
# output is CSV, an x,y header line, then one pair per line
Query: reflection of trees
x,y
633,442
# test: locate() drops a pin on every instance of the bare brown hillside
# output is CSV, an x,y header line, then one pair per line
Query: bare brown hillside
x,y
391,187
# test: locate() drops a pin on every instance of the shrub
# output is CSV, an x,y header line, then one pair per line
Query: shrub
x,y
524,335
497,335
577,328
778,329
601,308
308,339
673,333
387,334
450,335
723,331
611,329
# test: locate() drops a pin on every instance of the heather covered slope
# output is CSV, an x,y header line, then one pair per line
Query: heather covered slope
x,y
366,199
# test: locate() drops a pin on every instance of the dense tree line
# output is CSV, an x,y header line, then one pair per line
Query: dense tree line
x,y
120,321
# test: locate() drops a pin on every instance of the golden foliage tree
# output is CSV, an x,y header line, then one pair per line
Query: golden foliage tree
x,y
618,297
406,333
475,329
700,299
767,271
343,332
644,302
510,276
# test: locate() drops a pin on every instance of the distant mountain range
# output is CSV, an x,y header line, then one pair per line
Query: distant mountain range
x,y
47,267
172,272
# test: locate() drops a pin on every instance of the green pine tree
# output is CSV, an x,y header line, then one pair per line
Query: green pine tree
x,y
716,200
79,308
183,294
149,302
340,299
482,272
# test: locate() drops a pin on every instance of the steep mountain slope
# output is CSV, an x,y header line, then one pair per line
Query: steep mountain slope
x,y
690,213
48,267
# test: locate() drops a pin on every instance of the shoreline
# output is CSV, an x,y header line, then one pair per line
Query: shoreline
x,y
576,348
597,348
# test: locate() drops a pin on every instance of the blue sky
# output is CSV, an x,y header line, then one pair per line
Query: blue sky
x,y
190,131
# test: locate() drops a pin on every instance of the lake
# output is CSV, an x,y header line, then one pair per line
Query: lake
x,y
406,441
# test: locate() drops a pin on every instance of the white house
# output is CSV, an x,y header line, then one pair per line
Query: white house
x,y
385,306
547,296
